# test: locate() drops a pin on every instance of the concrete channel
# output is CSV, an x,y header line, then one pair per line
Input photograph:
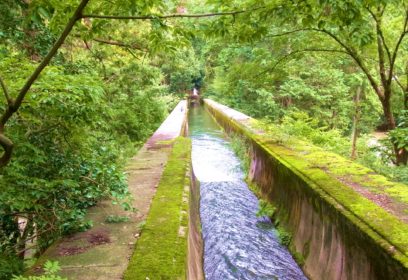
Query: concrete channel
x,y
336,231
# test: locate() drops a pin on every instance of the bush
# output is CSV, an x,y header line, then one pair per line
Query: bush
x,y
50,271
307,128
72,138
9,265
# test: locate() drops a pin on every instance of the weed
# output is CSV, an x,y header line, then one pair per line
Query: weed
x,y
265,209
116,219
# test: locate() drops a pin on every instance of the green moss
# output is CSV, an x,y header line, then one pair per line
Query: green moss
x,y
306,249
241,149
253,187
285,237
161,251
299,258
398,190
265,209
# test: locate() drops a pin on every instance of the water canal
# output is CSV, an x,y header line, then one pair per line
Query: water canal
x,y
237,243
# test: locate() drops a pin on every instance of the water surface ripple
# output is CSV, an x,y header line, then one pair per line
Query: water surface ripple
x,y
237,244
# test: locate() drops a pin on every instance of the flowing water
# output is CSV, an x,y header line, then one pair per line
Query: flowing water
x,y
237,244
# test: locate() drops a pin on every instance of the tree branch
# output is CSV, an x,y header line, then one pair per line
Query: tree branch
x,y
297,52
381,44
380,50
131,53
7,146
359,62
119,44
288,32
399,83
6,92
404,90
400,39
348,50
379,31
11,109
150,17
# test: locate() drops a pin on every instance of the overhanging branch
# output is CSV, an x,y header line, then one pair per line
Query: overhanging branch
x,y
347,50
285,57
119,44
399,83
358,61
152,17
288,32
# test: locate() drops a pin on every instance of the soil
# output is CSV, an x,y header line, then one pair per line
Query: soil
x,y
69,251
95,238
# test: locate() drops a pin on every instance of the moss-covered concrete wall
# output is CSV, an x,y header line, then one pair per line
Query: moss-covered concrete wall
x,y
195,242
337,233
164,249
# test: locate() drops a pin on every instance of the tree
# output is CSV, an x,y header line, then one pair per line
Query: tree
x,y
13,104
352,28
358,29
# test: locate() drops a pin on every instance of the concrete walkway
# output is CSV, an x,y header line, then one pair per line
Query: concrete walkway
x,y
103,252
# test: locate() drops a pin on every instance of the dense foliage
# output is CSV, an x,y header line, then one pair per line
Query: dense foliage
x,y
327,71
91,108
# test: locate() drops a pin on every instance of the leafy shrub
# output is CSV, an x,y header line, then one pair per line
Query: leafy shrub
x,y
307,128
72,138
399,137
50,273
9,265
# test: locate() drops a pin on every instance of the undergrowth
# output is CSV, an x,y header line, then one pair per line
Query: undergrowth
x,y
241,149
265,209
50,273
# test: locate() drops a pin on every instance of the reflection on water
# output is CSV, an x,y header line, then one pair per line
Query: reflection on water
x,y
237,244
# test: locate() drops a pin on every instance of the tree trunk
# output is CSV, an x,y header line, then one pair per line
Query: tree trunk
x,y
356,119
401,154
388,115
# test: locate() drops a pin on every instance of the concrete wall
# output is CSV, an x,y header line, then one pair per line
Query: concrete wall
x,y
170,246
195,241
336,232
